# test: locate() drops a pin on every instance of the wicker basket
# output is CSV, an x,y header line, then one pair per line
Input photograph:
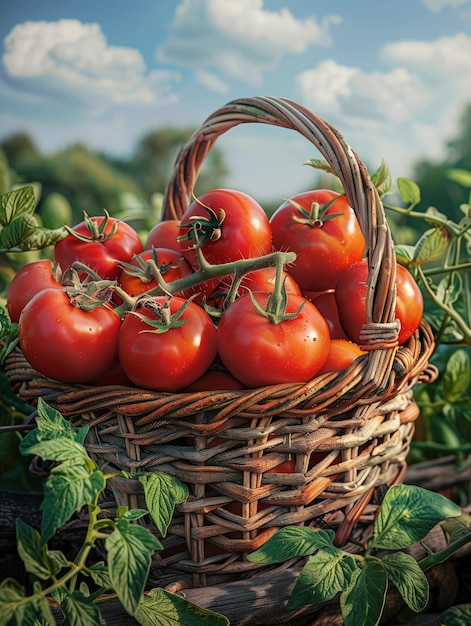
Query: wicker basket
x,y
347,432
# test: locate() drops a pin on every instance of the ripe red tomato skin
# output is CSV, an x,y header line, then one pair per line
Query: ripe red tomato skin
x,y
179,268
215,380
27,282
350,295
342,353
327,305
259,353
322,252
174,359
103,257
245,231
164,235
65,343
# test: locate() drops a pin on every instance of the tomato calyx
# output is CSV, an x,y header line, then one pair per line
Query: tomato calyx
x,y
317,214
91,295
202,229
97,230
162,319
147,270
275,307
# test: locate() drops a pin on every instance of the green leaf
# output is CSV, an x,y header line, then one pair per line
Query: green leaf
x,y
450,288
21,201
404,254
292,541
50,424
409,190
130,548
79,610
320,164
431,245
460,176
407,514
324,575
35,556
163,608
459,615
12,595
58,449
456,378
383,180
100,575
363,600
70,486
13,235
411,582
162,492
134,514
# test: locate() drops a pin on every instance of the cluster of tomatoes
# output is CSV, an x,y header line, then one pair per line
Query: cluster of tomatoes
x,y
205,301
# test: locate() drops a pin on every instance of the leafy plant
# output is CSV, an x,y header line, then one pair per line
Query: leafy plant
x,y
359,581
77,587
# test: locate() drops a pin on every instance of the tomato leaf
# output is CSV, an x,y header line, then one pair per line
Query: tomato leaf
x,y
325,574
407,514
431,245
100,575
383,180
70,486
79,610
459,615
292,541
17,231
35,556
404,254
13,204
162,608
363,600
15,611
320,164
409,190
130,548
162,492
411,582
456,377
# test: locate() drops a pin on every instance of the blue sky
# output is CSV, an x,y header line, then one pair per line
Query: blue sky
x,y
393,76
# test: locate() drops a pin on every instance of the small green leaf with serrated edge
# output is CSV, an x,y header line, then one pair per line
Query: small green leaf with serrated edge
x,y
50,424
69,487
130,548
35,556
320,164
404,254
456,378
162,608
431,245
411,582
13,235
162,492
79,610
12,595
409,190
290,542
362,602
407,514
383,180
459,615
323,576
134,514
58,449
18,202
450,288
100,575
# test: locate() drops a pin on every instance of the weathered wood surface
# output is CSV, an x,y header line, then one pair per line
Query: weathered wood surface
x,y
261,601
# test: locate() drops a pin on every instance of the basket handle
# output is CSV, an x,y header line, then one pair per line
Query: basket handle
x,y
381,329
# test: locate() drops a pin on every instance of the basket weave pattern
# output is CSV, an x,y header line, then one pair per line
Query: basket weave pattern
x,y
346,434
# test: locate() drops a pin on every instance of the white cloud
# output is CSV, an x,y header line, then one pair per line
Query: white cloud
x,y
222,40
438,5
69,59
349,91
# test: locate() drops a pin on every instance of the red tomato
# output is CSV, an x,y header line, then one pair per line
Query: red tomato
x,y
171,359
218,380
102,243
27,282
327,305
172,266
326,239
287,467
350,295
164,235
258,352
342,353
65,342
232,226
